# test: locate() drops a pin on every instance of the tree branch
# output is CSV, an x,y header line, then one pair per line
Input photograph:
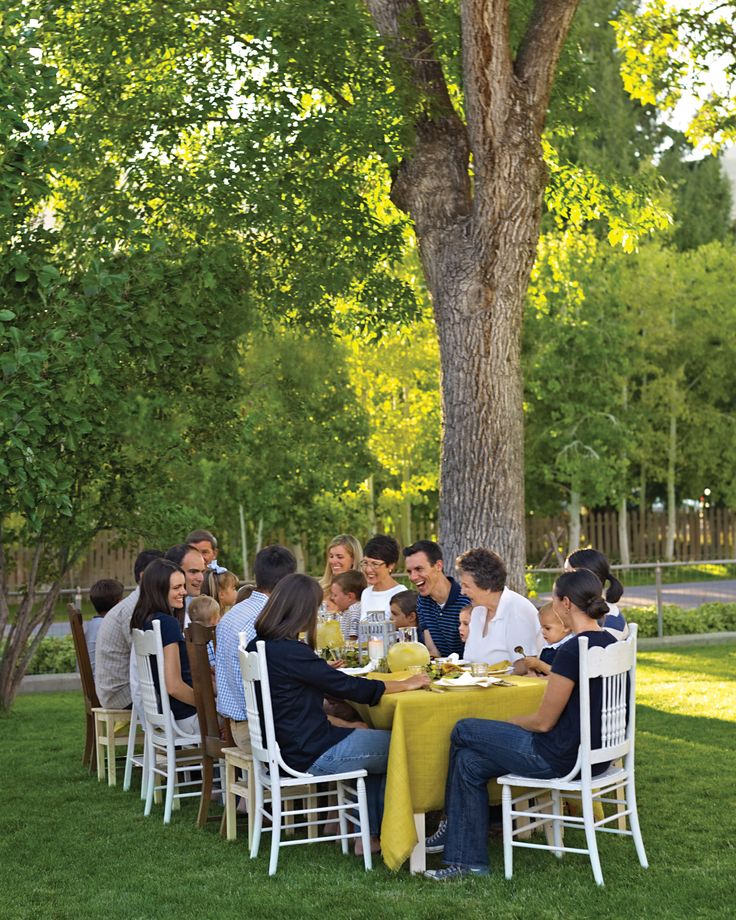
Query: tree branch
x,y
441,153
487,69
536,60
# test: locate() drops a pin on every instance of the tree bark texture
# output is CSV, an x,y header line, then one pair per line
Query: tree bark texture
x,y
474,191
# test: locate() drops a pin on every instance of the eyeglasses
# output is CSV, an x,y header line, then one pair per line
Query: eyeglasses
x,y
371,563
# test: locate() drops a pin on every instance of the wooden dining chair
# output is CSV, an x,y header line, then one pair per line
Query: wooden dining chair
x,y
214,742
101,741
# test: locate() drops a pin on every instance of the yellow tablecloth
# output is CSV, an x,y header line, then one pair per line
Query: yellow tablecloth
x,y
421,724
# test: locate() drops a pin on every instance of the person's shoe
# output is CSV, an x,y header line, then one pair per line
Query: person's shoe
x,y
450,873
436,843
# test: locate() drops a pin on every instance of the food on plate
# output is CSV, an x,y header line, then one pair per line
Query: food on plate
x,y
449,669
503,665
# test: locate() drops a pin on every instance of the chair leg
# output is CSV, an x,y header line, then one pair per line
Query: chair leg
x,y
149,776
257,821
130,752
508,831
170,784
342,819
252,806
634,823
557,826
99,750
111,765
204,802
365,830
590,836
275,828
88,760
312,802
418,858
231,827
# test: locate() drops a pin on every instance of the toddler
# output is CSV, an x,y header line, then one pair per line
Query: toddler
x,y
555,633
345,591
463,622
206,611
404,610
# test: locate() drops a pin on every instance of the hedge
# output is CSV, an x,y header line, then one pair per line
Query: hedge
x,y
54,656
713,617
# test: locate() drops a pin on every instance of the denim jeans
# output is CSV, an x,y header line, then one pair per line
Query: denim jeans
x,y
363,749
480,750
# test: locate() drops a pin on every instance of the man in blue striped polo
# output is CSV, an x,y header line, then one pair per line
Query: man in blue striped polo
x,y
440,600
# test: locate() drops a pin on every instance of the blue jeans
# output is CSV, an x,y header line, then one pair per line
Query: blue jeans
x,y
363,749
482,749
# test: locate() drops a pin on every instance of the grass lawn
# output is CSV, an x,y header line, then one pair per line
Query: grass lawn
x,y
71,849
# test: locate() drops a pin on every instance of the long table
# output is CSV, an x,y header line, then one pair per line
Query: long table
x,y
421,723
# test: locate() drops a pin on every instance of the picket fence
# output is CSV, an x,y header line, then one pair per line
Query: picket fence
x,y
700,535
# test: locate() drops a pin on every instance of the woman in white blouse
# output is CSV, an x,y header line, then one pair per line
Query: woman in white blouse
x,y
502,620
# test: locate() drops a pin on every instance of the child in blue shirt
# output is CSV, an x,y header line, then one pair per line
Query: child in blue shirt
x,y
555,633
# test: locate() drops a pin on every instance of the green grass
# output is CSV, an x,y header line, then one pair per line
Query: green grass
x,y
71,848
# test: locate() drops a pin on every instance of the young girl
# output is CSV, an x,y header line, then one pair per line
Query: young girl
x,y
222,586
206,611
555,632
404,610
345,594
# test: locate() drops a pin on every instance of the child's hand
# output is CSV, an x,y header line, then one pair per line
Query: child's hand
x,y
536,666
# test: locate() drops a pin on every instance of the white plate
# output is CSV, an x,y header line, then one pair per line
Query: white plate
x,y
358,672
465,682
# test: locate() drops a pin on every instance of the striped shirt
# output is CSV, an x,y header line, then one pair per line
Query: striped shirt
x,y
442,622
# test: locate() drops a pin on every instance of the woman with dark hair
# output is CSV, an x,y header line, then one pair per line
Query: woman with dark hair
x,y
163,589
380,558
542,745
310,741
599,565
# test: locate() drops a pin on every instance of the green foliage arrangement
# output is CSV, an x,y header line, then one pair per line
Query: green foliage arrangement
x,y
54,655
713,617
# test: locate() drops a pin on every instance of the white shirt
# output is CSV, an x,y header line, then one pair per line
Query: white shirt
x,y
372,600
515,623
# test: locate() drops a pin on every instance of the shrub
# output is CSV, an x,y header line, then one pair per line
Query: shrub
x,y
712,617
54,656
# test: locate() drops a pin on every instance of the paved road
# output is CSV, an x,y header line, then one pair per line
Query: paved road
x,y
686,595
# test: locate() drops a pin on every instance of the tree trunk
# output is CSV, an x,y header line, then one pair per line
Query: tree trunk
x,y
671,461
477,240
623,532
575,525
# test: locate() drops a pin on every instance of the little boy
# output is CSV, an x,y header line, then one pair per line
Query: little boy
x,y
404,610
345,591
206,611
103,595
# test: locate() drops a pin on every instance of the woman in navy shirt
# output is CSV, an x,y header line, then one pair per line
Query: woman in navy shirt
x,y
542,745
162,596
310,741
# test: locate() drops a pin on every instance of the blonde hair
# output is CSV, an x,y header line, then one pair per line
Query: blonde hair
x,y
549,607
214,582
203,610
351,545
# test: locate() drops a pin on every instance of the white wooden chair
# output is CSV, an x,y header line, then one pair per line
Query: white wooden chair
x,y
274,780
615,666
169,752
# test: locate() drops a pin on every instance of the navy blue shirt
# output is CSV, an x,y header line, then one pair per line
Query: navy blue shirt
x,y
442,622
299,681
171,633
559,746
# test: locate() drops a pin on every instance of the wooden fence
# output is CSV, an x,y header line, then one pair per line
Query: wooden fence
x,y
707,534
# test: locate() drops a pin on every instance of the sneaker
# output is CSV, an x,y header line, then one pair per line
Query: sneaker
x,y
436,843
450,873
